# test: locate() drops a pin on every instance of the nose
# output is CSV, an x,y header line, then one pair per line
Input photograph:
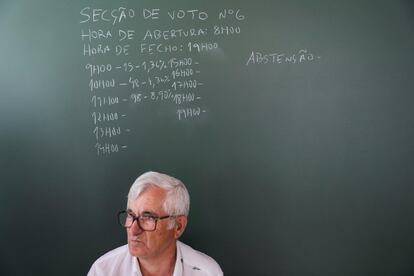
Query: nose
x,y
135,228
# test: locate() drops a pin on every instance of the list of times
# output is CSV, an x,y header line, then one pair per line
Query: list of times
x,y
132,59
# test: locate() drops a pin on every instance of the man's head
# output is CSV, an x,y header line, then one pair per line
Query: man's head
x,y
161,198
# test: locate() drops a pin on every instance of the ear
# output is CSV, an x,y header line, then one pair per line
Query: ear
x,y
180,224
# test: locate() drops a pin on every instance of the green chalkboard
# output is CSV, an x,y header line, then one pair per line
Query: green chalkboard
x,y
291,123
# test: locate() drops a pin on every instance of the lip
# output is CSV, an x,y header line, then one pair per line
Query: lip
x,y
135,241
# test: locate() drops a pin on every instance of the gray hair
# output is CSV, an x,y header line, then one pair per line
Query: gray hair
x,y
177,201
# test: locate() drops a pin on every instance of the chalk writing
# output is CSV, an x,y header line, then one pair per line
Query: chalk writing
x,y
192,14
279,58
107,148
202,46
100,49
226,30
159,48
128,67
231,13
96,69
98,101
99,117
115,15
187,84
189,112
101,84
95,34
165,95
173,34
106,132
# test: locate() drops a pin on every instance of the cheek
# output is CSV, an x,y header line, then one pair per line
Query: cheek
x,y
128,231
153,238
156,239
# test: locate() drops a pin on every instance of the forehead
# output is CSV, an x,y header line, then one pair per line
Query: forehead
x,y
151,200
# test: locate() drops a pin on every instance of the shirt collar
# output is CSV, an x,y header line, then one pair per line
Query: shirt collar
x,y
136,269
179,262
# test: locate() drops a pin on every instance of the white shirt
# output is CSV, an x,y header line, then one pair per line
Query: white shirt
x,y
189,262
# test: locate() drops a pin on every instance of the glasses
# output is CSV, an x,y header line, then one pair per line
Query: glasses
x,y
146,222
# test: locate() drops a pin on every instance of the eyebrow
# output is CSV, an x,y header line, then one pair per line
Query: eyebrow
x,y
149,213
129,211
145,213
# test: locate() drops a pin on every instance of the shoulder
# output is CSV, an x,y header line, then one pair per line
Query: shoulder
x,y
196,260
113,261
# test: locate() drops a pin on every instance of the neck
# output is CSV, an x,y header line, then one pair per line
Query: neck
x,y
160,266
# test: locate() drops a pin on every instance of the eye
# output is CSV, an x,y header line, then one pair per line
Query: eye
x,y
130,215
147,218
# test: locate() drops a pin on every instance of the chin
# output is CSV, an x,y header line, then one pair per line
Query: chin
x,y
136,250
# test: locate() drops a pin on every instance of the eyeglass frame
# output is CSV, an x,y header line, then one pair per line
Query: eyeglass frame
x,y
136,218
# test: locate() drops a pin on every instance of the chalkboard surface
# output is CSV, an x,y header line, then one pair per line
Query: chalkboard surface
x,y
291,123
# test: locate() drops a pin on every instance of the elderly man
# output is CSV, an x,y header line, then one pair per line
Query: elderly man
x,y
156,216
